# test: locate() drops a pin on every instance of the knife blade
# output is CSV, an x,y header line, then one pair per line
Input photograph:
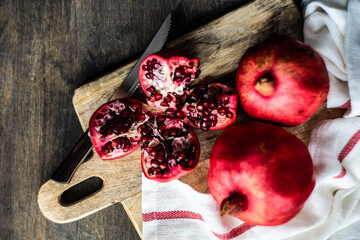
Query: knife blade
x,y
84,146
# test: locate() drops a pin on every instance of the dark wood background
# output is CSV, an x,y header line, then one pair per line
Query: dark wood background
x,y
47,50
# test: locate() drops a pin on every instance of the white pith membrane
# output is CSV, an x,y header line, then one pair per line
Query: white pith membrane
x,y
179,145
117,107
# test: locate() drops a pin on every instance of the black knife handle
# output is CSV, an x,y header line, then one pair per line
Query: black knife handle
x,y
77,155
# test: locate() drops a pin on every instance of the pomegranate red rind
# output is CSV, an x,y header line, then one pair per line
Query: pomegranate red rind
x,y
170,149
113,128
211,107
282,80
260,173
165,75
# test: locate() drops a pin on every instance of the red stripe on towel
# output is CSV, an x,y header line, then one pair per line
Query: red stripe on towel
x,y
153,216
349,146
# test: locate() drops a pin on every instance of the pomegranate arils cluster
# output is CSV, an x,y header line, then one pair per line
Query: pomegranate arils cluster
x,y
113,128
170,148
204,105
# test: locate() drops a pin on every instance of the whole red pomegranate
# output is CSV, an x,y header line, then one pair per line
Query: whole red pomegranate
x,y
282,80
260,173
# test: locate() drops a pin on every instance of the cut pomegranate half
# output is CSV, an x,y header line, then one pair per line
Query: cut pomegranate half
x,y
170,149
113,127
165,75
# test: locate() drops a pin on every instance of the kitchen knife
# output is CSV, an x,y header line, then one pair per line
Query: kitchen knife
x,y
84,146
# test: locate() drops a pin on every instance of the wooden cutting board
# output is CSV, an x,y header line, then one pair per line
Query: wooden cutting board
x,y
219,45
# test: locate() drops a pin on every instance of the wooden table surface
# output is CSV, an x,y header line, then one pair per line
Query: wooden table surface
x,y
47,50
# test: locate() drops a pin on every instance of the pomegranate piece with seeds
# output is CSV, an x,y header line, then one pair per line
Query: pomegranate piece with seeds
x,y
165,78
165,75
211,106
170,149
113,127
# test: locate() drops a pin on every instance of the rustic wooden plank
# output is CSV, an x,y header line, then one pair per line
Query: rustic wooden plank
x,y
219,46
48,49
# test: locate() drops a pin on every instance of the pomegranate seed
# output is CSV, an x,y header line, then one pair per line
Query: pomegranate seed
x,y
205,125
206,119
151,90
214,112
207,111
108,147
135,105
179,132
173,131
180,114
168,98
149,75
144,67
229,115
163,166
180,157
193,148
191,108
99,116
212,105
141,117
116,129
222,110
213,123
154,163
161,126
151,172
166,133
161,158
193,98
160,119
127,145
190,163
157,65
158,96
153,152
126,112
164,103
108,132
194,121
200,107
169,112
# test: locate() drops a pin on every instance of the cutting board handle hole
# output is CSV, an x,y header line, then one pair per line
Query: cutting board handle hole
x,y
81,191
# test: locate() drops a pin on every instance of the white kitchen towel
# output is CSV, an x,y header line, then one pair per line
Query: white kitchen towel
x,y
332,27
176,211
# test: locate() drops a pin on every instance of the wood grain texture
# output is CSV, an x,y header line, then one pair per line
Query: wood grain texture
x,y
219,46
47,50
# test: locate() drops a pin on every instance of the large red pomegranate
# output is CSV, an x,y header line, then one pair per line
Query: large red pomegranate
x,y
260,173
282,80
